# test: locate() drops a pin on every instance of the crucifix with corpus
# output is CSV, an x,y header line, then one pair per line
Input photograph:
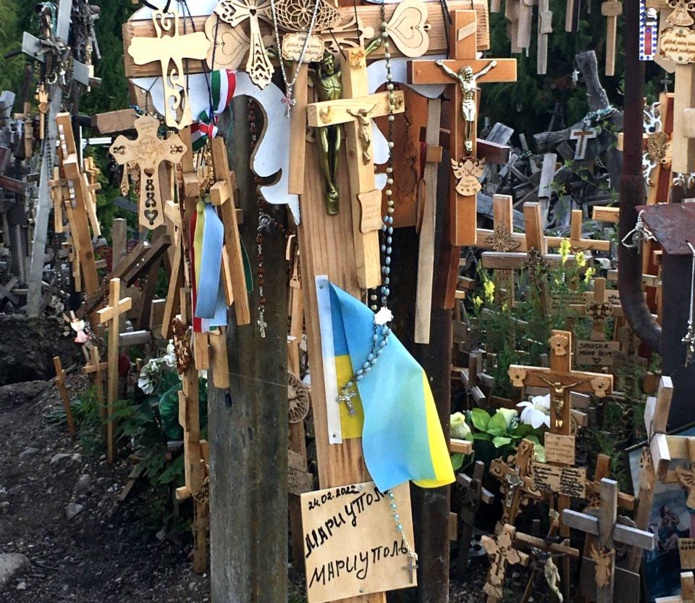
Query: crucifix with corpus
x,y
357,108
464,71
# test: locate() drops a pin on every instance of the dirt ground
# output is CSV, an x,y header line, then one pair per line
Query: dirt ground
x,y
98,556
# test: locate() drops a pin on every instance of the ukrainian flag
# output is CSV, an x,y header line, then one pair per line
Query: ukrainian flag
x,y
402,437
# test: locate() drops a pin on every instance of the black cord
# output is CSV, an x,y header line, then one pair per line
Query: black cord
x,y
165,9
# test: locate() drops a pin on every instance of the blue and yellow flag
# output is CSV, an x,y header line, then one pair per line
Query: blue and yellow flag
x,y
402,437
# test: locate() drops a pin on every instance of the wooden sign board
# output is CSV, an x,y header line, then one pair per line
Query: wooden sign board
x,y
560,448
596,353
351,544
686,548
567,481
678,44
624,361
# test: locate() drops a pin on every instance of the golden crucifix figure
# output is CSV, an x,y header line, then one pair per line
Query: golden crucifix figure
x,y
363,117
557,397
468,81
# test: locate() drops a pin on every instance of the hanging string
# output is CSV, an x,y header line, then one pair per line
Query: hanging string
x,y
689,338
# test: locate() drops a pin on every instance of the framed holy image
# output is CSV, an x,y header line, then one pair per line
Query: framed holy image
x,y
670,519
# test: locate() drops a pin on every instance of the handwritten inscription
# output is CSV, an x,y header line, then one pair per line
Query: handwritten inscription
x,y
293,43
559,449
568,481
678,44
596,353
351,545
686,548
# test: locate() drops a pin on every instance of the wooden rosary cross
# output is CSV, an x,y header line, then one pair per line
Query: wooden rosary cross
x,y
148,151
111,315
171,49
356,109
501,552
468,72
609,531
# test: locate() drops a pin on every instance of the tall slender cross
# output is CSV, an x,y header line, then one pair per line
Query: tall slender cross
x,y
468,71
111,315
357,109
171,51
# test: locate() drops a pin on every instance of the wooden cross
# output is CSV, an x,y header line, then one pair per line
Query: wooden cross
x,y
683,137
171,51
545,28
148,151
463,208
60,382
516,480
687,591
502,552
111,314
611,9
655,420
356,109
598,309
577,243
473,495
96,368
561,379
609,531
502,237
582,135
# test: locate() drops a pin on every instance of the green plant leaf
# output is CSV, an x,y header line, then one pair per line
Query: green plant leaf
x,y
480,419
457,461
482,436
501,441
497,425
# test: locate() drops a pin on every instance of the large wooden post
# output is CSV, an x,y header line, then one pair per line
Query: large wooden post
x,y
248,445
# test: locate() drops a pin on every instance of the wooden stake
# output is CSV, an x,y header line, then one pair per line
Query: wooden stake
x,y
60,382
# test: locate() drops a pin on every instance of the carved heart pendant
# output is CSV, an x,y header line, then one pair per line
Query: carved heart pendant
x,y
408,28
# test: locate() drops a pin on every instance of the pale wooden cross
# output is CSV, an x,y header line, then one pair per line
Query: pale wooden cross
x,y
577,243
365,197
683,136
545,28
463,208
687,591
96,368
582,135
599,310
170,49
611,9
608,531
501,552
473,495
516,480
148,151
111,315
60,382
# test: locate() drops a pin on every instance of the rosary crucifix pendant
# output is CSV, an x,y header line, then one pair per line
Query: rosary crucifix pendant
x,y
289,102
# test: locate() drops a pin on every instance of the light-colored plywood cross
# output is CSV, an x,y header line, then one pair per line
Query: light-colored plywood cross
x,y
111,315
577,243
609,531
170,49
463,72
545,28
582,135
502,553
611,9
516,479
356,110
148,151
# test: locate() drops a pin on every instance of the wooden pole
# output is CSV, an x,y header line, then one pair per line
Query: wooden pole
x,y
248,445
60,382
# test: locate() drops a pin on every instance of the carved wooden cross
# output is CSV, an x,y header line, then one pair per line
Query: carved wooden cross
x,y
148,151
111,314
582,135
687,591
516,480
464,51
609,531
365,197
599,310
611,9
474,494
501,552
171,50
561,379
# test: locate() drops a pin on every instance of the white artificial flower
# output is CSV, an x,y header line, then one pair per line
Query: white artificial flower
x,y
145,383
509,415
170,357
459,428
536,411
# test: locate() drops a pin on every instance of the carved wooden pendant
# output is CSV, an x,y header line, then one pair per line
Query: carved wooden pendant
x,y
408,28
467,171
148,151
170,48
235,12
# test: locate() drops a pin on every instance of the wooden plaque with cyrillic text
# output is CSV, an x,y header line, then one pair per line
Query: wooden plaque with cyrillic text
x,y
351,544
568,481
559,449
686,548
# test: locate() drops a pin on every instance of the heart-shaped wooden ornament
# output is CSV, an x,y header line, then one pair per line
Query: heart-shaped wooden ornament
x,y
408,28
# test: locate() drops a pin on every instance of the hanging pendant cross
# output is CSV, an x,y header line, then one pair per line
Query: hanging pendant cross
x,y
289,102
412,566
347,397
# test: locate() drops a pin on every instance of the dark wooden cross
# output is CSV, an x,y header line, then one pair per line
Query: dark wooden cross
x,y
473,495
516,480
463,208
608,532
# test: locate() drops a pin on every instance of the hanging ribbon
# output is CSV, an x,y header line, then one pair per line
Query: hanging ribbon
x,y
222,87
207,238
